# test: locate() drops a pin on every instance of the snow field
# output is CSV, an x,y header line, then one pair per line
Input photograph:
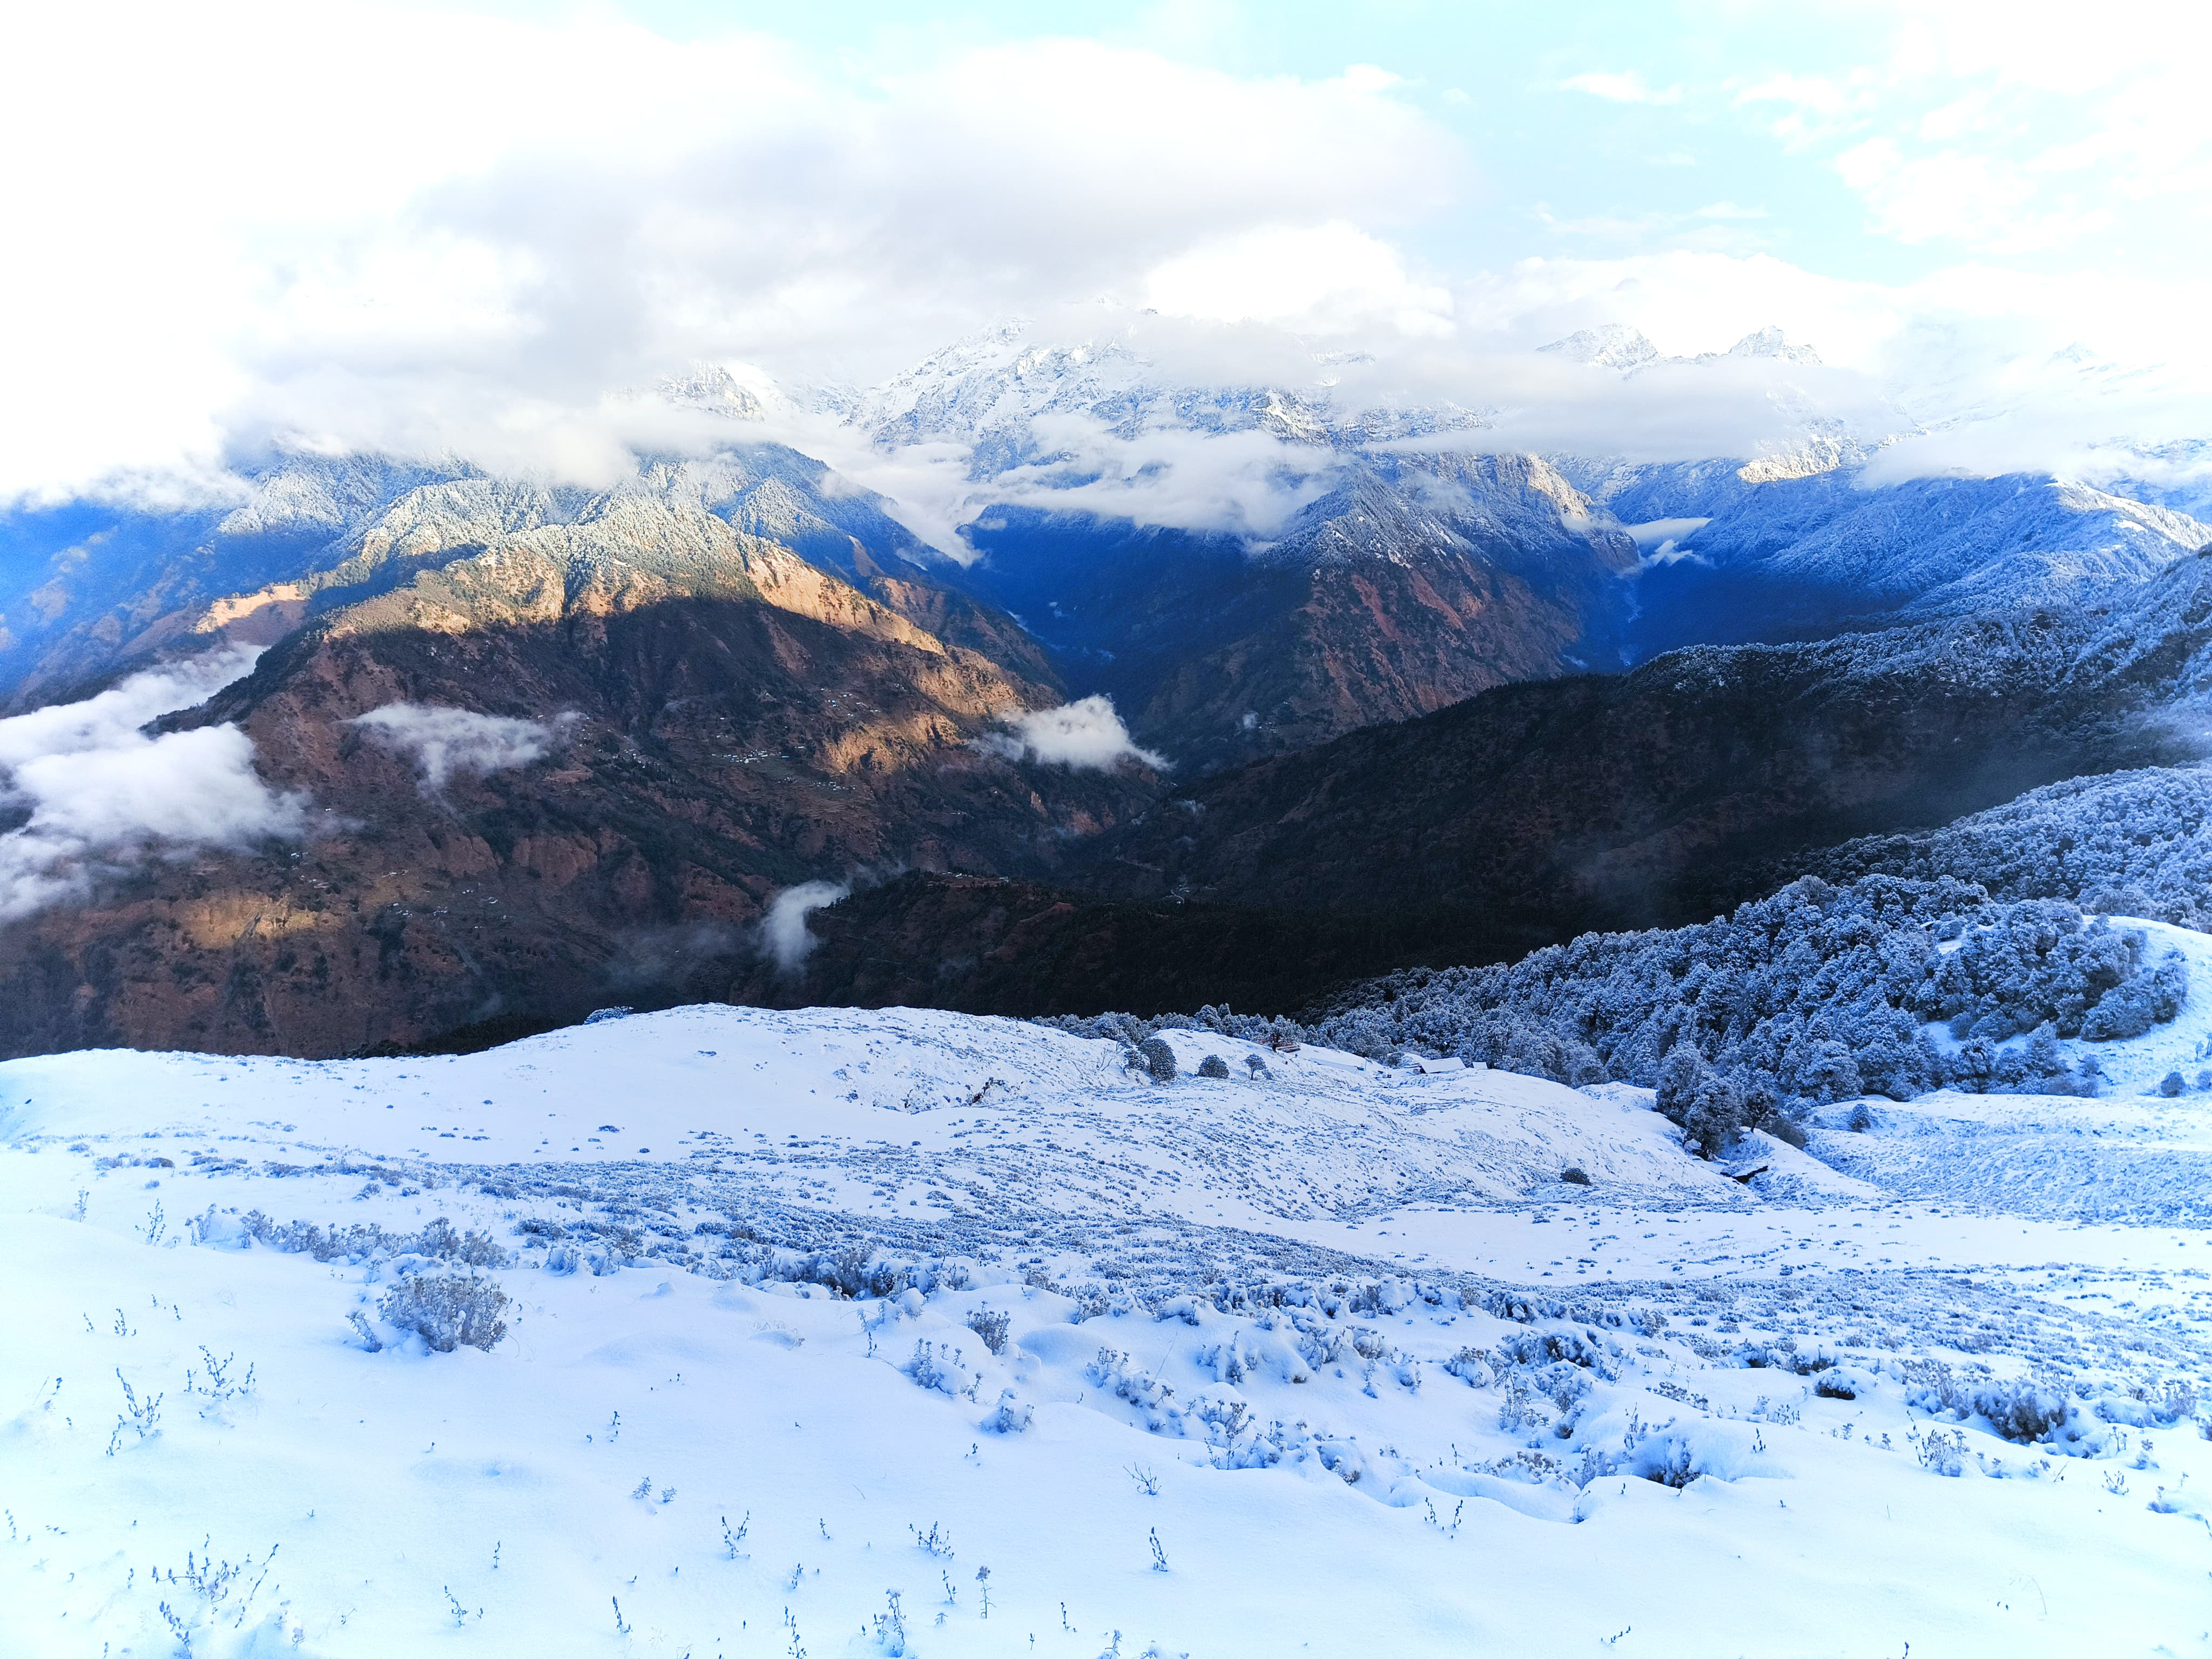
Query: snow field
x,y
1299,1331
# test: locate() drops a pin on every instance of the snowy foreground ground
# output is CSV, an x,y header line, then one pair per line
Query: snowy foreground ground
x,y
823,1326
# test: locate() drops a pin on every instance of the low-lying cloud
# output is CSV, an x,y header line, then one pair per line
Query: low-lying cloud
x,y
783,929
98,796
446,741
1086,735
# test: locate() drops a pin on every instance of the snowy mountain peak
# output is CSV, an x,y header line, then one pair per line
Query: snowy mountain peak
x,y
743,393
1770,342
1616,345
1609,345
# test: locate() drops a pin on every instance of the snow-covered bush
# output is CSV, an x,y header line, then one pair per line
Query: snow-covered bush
x,y
447,1311
470,1249
367,1242
1667,1458
1557,1347
1473,1367
1213,1065
991,1325
2021,1410
1159,1059
1813,995
942,1368
1010,1416
2131,843
1516,1411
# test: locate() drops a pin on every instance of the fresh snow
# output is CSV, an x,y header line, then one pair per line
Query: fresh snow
x,y
1339,1338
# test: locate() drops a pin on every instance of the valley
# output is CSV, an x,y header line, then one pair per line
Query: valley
x,y
1417,720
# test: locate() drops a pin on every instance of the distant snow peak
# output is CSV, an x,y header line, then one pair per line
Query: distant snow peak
x,y
1616,345
739,391
1770,342
1609,345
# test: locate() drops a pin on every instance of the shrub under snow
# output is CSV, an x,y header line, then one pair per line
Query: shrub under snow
x,y
447,1311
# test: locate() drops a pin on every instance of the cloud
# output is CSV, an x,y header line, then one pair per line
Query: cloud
x,y
2008,130
1951,194
783,929
1330,278
428,264
428,267
445,741
1085,736
98,796
1627,87
1976,368
1244,483
655,958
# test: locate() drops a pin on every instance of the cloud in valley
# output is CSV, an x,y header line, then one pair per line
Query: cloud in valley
x,y
97,795
783,929
1086,735
446,741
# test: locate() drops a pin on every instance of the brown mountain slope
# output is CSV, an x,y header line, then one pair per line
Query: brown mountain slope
x,y
1635,800
1531,813
1418,582
722,719
94,588
1359,645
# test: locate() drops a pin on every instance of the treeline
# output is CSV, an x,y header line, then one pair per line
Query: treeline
x,y
2136,843
1818,993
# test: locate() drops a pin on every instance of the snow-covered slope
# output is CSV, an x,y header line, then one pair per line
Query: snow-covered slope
x,y
1938,546
915,1115
1926,547
1799,521
993,390
846,1333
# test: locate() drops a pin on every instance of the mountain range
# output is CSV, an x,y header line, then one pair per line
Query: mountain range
x,y
542,747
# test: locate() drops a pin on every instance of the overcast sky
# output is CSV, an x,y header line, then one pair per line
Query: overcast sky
x,y
418,228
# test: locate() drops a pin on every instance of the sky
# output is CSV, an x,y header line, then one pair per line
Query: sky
x,y
436,229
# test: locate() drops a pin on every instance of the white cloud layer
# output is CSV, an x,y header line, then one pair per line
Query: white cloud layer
x,y
445,741
1085,736
98,795
1327,279
783,928
1622,87
375,229
2013,127
364,226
